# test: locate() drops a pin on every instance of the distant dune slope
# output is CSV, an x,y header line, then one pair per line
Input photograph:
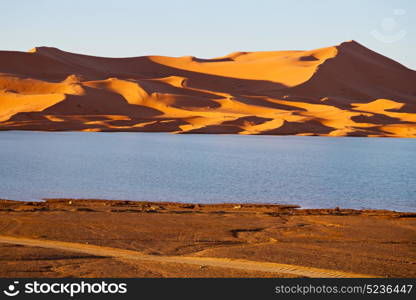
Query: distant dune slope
x,y
344,90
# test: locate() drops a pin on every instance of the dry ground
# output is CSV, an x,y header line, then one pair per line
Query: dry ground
x,y
377,243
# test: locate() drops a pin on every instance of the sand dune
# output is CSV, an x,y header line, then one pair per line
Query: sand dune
x,y
344,90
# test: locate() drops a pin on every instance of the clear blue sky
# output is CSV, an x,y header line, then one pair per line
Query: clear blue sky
x,y
207,28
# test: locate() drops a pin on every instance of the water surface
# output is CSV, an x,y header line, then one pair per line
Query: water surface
x,y
314,172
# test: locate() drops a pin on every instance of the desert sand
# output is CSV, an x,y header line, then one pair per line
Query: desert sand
x,y
98,238
343,90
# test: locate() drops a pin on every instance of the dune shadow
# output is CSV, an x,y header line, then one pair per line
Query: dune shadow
x,y
216,83
378,119
360,75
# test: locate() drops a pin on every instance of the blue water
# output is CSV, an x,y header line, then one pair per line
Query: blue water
x,y
314,172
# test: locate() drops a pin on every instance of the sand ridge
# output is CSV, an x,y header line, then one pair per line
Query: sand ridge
x,y
193,260
343,90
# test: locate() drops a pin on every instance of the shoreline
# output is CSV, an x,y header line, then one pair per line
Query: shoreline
x,y
89,238
294,208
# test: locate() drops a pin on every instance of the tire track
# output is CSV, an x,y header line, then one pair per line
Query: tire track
x,y
239,264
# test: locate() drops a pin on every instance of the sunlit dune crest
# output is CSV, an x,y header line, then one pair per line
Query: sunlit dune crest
x,y
344,90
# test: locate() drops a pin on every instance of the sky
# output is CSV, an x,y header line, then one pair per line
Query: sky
x,y
208,29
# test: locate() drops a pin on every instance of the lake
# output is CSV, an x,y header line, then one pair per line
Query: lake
x,y
314,172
